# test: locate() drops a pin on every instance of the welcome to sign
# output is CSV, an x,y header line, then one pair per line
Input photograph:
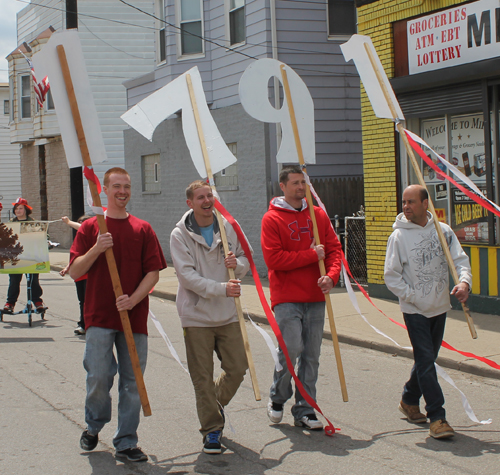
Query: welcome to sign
x,y
460,35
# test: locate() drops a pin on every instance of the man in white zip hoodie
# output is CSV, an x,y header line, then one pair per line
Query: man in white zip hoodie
x,y
205,303
417,273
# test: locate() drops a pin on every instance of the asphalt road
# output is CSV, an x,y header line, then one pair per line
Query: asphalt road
x,y
42,391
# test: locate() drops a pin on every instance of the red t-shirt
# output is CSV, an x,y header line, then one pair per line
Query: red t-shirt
x,y
137,252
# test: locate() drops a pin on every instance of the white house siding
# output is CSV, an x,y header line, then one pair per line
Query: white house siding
x,y
117,43
333,84
32,19
10,170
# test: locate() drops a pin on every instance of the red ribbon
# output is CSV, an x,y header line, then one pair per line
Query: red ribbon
x,y
329,429
473,196
91,176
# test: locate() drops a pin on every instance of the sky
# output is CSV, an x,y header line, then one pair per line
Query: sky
x,y
8,37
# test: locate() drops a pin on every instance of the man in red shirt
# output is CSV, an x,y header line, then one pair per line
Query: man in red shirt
x,y
298,290
139,259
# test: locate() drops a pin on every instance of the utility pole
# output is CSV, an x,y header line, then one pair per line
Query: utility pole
x,y
75,174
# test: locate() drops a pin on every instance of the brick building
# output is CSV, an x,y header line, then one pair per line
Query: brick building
x,y
443,59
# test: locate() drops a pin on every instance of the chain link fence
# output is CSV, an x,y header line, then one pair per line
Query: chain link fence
x,y
355,247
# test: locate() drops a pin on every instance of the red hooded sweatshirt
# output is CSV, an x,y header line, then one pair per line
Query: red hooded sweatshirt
x,y
286,238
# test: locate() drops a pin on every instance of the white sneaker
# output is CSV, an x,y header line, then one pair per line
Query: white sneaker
x,y
309,422
274,412
79,330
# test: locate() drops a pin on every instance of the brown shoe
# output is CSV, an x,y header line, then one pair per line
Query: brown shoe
x,y
440,429
412,413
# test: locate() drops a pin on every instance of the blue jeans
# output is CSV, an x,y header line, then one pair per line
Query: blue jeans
x,y
301,325
101,366
426,336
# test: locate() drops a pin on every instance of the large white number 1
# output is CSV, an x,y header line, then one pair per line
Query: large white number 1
x,y
254,96
154,109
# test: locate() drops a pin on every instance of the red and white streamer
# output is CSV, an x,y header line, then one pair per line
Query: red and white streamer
x,y
91,176
476,195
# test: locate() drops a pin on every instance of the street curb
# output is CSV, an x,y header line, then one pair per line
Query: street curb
x,y
353,341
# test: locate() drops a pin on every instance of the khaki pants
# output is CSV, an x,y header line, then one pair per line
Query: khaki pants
x,y
201,342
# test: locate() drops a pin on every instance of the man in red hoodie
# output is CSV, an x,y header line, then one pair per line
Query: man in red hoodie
x,y
298,290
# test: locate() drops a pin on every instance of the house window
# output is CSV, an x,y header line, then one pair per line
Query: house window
x,y
49,101
151,180
227,179
341,17
236,21
160,35
191,26
6,107
25,97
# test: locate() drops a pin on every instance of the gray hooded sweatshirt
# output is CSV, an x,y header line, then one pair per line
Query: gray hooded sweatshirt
x,y
415,266
201,297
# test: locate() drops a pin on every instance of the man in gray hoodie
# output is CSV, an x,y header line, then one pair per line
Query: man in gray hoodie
x,y
205,303
416,272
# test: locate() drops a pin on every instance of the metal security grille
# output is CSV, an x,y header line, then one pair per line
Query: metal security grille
x,y
355,247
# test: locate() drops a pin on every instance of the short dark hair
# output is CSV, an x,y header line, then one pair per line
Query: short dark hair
x,y
28,211
287,170
423,194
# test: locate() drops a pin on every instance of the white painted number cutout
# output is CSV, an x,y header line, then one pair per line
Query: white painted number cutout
x,y
254,96
154,109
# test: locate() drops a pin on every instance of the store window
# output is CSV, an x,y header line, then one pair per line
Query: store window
x,y
459,139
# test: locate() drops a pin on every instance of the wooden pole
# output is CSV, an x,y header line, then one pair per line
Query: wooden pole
x,y
241,319
110,257
321,263
416,168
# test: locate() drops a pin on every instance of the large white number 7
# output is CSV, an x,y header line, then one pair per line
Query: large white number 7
x,y
254,96
154,109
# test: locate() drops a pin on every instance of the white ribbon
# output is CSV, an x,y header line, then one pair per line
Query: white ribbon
x,y
352,296
270,345
90,202
167,340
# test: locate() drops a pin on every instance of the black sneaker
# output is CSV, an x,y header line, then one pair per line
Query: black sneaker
x,y
212,442
88,441
132,455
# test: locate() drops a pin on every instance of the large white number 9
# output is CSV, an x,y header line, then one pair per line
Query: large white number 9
x,y
254,96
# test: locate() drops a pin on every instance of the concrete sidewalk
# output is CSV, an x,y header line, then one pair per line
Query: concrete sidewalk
x,y
353,330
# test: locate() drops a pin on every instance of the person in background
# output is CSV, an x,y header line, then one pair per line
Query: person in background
x,y
22,212
81,282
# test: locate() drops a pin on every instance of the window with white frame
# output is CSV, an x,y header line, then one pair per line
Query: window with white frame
x,y
25,96
151,180
161,52
236,21
191,25
341,18
49,101
6,107
11,96
227,179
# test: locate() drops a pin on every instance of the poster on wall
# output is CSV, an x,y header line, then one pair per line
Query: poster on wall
x,y
469,219
467,145
434,133
23,248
